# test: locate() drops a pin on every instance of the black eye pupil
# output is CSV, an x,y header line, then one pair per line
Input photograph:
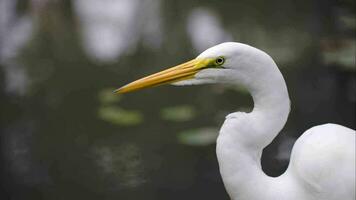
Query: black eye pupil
x,y
219,61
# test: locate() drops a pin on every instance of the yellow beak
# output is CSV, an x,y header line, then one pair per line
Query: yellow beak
x,y
180,72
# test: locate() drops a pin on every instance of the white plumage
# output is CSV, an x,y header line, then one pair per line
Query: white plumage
x,y
322,164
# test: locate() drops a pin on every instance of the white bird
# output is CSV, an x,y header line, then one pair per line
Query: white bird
x,y
322,163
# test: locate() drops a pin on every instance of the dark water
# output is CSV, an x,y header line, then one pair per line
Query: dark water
x,y
64,135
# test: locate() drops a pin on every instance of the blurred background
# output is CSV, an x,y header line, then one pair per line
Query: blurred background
x,y
64,135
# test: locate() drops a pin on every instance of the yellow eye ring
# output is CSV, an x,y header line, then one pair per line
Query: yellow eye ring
x,y
220,60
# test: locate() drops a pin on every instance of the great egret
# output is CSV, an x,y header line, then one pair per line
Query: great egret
x,y
322,163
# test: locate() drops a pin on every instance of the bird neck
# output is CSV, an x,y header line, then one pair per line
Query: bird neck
x,y
271,107
244,135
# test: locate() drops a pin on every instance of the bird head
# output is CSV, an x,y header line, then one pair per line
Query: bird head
x,y
223,63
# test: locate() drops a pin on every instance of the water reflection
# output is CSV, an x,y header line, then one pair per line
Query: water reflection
x,y
205,29
19,155
122,164
114,28
16,79
15,31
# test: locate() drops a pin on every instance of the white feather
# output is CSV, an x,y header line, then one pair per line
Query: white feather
x,y
322,165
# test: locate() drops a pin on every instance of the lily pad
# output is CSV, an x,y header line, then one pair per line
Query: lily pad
x,y
199,137
178,113
106,96
120,116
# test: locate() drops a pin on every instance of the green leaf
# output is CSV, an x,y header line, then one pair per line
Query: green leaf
x,y
199,137
119,116
106,96
178,113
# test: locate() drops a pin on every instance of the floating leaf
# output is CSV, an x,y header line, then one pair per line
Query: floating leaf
x,y
178,113
199,137
349,21
106,96
119,116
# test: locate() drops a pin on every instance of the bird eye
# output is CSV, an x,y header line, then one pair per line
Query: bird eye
x,y
220,60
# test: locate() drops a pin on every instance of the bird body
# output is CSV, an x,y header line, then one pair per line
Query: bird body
x,y
322,164
323,159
